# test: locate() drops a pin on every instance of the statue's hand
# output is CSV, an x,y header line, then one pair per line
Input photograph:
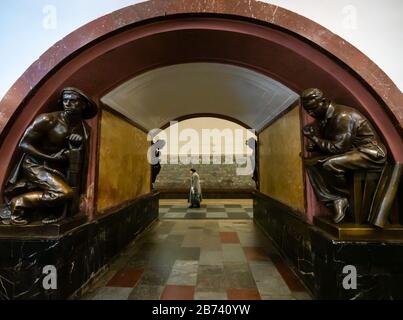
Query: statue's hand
x,y
62,155
308,131
75,140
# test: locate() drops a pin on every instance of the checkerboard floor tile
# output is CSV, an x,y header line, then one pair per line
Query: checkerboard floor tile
x,y
199,259
236,209
212,253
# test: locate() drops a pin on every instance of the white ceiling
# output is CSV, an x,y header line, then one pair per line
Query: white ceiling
x,y
162,95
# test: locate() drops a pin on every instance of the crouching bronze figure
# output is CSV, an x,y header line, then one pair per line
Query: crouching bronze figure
x,y
50,175
345,142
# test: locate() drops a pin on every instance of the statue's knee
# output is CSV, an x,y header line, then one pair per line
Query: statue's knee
x,y
17,205
335,166
56,196
328,165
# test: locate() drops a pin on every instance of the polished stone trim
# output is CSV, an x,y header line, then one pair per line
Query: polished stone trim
x,y
289,232
351,231
378,263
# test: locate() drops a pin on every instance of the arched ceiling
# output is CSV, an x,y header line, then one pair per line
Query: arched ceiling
x,y
161,95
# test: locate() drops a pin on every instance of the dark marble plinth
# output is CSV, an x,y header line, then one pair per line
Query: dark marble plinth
x,y
379,265
320,252
77,253
288,231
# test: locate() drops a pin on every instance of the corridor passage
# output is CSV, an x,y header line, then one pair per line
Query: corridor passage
x,y
205,256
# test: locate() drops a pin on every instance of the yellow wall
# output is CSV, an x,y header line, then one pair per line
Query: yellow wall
x,y
124,172
280,164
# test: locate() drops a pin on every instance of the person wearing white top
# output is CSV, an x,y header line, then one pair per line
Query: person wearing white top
x,y
195,194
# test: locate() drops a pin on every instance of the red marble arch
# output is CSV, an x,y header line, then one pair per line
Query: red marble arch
x,y
278,43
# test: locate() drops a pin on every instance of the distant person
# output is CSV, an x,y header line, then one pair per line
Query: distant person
x,y
195,194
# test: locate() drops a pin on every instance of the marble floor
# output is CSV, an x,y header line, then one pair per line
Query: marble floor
x,y
199,259
209,209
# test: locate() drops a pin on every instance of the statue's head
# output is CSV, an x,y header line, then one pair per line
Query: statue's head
x,y
160,143
75,102
314,102
251,142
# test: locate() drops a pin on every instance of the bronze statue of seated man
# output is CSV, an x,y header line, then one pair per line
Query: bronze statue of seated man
x,y
345,141
45,167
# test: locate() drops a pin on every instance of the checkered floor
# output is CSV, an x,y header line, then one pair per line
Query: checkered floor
x,y
210,209
209,259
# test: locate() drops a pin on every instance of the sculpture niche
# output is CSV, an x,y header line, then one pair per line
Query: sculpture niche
x,y
346,143
50,175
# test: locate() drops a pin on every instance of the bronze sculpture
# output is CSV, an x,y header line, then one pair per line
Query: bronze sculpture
x,y
346,142
155,162
51,172
252,143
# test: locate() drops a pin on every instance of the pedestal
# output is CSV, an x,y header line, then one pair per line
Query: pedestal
x,y
76,248
377,259
39,230
351,231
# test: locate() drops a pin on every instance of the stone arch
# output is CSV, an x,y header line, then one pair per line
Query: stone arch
x,y
276,42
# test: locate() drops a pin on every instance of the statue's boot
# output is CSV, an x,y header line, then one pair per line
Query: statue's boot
x,y
53,218
20,203
340,206
18,220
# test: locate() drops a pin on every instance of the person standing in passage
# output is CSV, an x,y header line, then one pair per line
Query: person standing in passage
x,y
195,194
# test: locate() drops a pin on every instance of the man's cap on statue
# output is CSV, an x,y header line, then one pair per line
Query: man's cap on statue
x,y
311,94
90,109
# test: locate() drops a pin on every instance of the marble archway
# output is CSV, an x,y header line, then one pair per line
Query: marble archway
x,y
258,36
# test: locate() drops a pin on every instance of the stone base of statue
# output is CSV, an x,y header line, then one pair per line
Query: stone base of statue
x,y
352,231
78,248
372,257
319,253
39,230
